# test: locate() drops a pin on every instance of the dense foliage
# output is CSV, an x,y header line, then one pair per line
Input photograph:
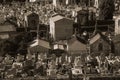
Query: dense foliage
x,y
11,0
17,44
107,8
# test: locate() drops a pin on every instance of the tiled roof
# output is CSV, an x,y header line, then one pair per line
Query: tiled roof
x,y
97,35
30,13
42,43
56,18
75,38
70,41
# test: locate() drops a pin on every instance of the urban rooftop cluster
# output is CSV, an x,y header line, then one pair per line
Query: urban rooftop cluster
x,y
59,39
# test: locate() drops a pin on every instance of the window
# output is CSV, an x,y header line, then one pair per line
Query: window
x,y
100,47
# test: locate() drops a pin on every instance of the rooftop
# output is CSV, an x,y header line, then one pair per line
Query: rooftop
x,y
39,42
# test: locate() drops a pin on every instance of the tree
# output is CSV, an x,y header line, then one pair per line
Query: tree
x,y
22,48
107,9
17,44
7,47
23,40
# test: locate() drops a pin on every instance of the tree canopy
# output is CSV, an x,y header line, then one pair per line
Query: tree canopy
x,y
17,44
107,9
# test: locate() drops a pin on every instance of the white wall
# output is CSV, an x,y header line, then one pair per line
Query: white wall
x,y
117,25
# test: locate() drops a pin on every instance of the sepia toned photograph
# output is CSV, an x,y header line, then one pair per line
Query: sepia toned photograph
x,y
59,39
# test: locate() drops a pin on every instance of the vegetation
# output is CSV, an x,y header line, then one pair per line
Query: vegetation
x,y
107,9
17,44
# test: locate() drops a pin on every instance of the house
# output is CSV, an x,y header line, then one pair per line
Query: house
x,y
39,46
76,45
99,43
7,30
31,20
59,47
82,17
61,28
73,46
101,25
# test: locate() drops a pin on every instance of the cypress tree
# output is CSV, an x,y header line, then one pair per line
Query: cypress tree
x,y
107,8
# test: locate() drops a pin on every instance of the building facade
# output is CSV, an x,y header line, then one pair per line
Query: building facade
x,y
76,46
39,46
31,20
61,28
99,43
